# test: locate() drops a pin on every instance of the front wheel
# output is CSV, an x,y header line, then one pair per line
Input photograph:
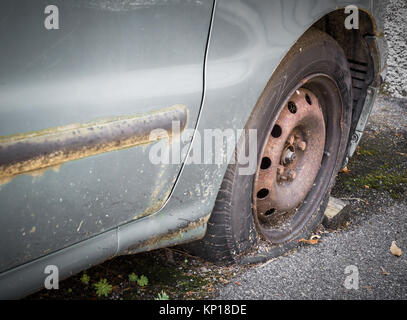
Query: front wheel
x,y
302,119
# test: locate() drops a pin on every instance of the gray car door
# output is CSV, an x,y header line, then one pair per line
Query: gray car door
x,y
81,85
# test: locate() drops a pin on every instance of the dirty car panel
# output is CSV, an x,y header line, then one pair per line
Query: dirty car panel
x,y
247,41
77,105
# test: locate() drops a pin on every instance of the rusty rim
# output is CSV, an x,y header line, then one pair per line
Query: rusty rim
x,y
290,162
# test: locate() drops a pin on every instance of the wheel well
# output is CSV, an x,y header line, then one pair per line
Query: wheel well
x,y
361,51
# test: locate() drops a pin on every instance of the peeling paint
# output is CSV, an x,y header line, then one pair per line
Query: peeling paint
x,y
34,153
155,204
166,239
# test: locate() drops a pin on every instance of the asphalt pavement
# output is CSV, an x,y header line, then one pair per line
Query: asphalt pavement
x,y
318,272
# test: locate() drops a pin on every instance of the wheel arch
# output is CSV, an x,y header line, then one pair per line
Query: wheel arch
x,y
362,51
366,50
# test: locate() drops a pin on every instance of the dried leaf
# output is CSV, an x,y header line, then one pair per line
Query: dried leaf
x,y
395,250
311,241
346,170
385,272
237,283
367,187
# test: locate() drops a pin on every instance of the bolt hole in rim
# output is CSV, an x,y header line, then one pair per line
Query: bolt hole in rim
x,y
270,212
265,163
281,221
308,99
263,193
277,131
292,107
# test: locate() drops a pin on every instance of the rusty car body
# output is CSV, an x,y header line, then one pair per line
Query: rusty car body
x,y
77,105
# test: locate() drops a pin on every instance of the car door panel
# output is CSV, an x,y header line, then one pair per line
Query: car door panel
x,y
108,61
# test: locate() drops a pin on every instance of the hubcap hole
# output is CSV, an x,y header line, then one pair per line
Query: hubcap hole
x,y
292,107
277,131
270,212
308,99
265,163
263,193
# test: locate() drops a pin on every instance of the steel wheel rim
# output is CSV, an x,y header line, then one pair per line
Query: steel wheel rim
x,y
290,162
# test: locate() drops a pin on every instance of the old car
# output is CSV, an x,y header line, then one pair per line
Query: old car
x,y
133,125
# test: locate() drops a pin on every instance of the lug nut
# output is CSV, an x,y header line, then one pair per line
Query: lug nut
x,y
291,175
289,156
302,145
283,178
280,170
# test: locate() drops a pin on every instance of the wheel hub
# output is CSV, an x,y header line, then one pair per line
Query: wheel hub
x,y
289,155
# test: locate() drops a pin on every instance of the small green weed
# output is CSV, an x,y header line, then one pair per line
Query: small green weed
x,y
142,281
85,279
103,288
133,277
162,296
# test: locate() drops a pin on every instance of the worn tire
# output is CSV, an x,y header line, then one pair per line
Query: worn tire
x,y
231,229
